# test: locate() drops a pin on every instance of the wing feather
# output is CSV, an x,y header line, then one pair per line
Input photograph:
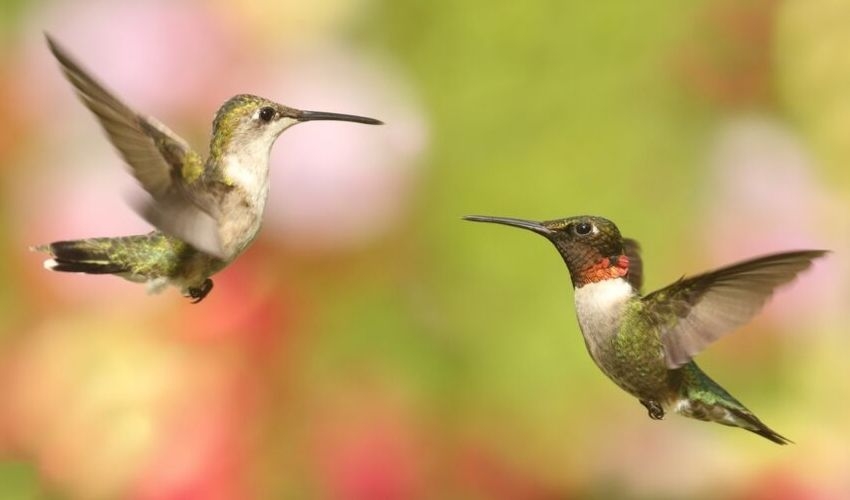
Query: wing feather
x,y
156,157
149,148
172,215
694,312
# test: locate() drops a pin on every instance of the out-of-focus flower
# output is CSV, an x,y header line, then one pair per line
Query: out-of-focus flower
x,y
340,185
113,409
763,197
366,446
202,448
487,475
785,483
78,405
169,58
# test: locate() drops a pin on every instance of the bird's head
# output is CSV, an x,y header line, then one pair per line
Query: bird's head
x,y
592,247
250,121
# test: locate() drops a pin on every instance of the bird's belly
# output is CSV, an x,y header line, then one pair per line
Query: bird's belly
x,y
620,346
241,222
636,371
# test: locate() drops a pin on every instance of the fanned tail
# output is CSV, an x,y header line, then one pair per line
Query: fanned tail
x,y
704,399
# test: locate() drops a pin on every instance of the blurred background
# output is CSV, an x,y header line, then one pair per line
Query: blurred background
x,y
370,344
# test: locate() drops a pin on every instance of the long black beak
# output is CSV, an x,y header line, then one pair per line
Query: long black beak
x,y
305,116
509,221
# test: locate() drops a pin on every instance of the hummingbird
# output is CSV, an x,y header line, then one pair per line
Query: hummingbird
x,y
205,211
646,343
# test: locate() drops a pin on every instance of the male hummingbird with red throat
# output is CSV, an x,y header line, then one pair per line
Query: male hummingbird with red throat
x,y
645,343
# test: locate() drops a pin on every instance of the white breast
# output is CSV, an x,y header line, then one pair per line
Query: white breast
x,y
243,207
599,307
250,172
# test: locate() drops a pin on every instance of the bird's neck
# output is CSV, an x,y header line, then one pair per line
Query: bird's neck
x,y
245,167
604,296
601,295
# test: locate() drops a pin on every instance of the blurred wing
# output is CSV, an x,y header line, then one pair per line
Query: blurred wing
x,y
153,152
157,158
172,215
695,311
632,250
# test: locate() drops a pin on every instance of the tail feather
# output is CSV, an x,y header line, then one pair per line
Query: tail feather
x,y
90,256
704,399
154,258
78,250
85,267
753,424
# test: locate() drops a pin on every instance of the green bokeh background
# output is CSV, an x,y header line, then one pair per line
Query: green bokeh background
x,y
539,110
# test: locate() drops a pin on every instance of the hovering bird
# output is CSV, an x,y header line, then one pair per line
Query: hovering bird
x,y
206,212
645,343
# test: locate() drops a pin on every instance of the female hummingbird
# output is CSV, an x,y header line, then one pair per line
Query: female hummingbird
x,y
645,343
206,212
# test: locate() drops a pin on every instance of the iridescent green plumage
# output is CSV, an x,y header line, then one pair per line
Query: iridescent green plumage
x,y
706,400
645,344
140,257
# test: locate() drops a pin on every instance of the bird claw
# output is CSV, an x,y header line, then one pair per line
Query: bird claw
x,y
198,293
656,412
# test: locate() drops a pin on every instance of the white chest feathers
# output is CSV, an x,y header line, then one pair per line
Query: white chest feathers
x,y
249,171
599,307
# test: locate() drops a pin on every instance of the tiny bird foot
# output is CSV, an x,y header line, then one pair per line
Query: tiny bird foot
x,y
198,293
656,412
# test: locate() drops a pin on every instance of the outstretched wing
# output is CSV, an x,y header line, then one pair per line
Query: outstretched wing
x,y
693,312
154,153
160,160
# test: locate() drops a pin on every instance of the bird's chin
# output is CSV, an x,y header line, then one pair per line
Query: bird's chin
x,y
284,123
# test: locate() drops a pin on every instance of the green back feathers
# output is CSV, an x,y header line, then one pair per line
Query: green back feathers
x,y
192,167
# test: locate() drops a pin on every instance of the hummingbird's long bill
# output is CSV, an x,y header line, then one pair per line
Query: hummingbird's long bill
x,y
305,116
510,221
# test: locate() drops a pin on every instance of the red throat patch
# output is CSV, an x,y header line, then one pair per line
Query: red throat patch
x,y
605,269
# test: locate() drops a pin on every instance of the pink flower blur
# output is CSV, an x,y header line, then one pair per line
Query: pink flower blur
x,y
767,198
338,185
369,451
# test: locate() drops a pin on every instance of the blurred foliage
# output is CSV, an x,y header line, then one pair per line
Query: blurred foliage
x,y
442,359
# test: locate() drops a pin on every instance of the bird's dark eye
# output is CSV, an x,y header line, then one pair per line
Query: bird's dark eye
x,y
266,114
583,228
